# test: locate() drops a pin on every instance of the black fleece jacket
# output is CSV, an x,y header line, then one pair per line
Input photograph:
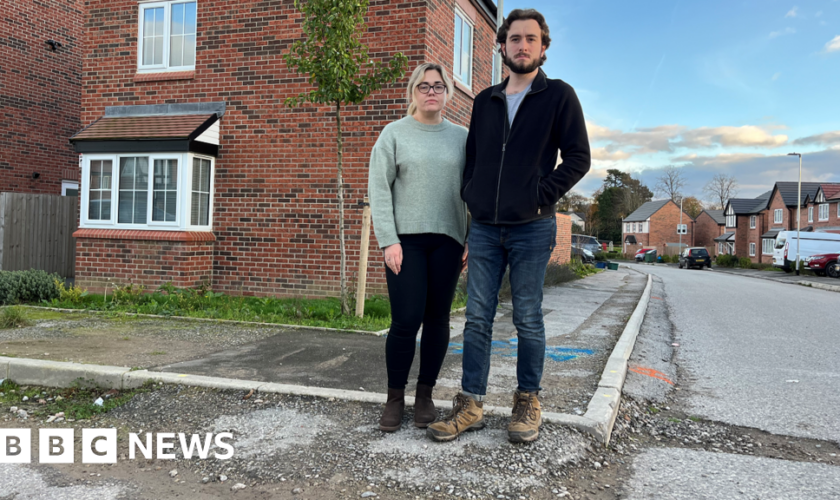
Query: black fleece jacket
x,y
510,175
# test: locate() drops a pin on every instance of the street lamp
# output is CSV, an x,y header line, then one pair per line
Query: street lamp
x,y
798,207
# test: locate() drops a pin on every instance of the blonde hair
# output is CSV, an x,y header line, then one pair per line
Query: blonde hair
x,y
417,78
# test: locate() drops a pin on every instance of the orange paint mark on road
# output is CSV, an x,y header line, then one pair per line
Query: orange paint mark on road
x,y
657,298
650,372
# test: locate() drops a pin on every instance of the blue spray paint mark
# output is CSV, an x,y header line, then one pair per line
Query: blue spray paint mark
x,y
508,349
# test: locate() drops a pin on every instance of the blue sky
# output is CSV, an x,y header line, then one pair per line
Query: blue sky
x,y
708,86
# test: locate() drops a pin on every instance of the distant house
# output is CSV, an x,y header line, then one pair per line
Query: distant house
x,y
746,227
654,225
822,211
710,224
578,218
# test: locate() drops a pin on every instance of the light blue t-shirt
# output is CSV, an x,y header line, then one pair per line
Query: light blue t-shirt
x,y
513,102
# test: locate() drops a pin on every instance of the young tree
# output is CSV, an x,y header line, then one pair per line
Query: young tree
x,y
670,183
720,189
692,206
331,52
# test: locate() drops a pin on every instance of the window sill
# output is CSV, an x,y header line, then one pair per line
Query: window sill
x,y
164,76
463,88
137,234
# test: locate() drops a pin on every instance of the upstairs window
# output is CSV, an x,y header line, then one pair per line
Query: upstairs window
x,y
824,211
810,214
462,62
166,40
752,221
777,216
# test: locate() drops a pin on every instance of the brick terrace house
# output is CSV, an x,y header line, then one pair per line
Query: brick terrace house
x,y
821,212
746,228
654,225
40,95
194,171
710,224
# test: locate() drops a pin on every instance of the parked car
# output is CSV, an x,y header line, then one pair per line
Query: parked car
x,y
583,254
825,264
588,242
695,257
640,255
810,244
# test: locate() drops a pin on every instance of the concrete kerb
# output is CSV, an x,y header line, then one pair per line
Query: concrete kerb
x,y
598,420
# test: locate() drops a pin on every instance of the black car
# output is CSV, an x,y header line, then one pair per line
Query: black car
x,y
695,257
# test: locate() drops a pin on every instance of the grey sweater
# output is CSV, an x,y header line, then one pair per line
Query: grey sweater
x,y
415,180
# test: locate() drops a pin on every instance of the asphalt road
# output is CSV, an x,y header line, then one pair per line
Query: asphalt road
x,y
751,353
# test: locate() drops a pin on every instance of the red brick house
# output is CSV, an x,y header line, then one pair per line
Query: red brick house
x,y
746,225
710,224
193,171
821,212
40,95
654,225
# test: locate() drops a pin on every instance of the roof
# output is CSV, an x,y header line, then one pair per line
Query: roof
x,y
146,127
771,233
644,212
789,190
726,237
749,206
831,191
717,215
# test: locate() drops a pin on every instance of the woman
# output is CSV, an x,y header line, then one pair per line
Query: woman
x,y
421,223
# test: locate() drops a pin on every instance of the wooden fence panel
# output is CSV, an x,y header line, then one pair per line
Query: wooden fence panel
x,y
36,232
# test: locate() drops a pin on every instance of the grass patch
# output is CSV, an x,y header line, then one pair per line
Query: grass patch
x,y
695,419
13,317
654,410
76,402
674,420
44,315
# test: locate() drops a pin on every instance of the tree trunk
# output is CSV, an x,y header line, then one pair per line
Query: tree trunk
x,y
345,306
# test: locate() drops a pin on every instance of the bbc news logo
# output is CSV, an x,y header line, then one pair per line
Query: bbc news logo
x,y
99,446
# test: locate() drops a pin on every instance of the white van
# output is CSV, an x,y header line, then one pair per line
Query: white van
x,y
784,251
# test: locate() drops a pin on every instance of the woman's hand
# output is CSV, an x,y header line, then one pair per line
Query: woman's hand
x,y
464,257
393,257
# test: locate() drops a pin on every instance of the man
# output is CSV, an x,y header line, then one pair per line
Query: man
x,y
511,185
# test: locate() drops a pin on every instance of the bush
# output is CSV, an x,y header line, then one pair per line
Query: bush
x,y
13,317
600,256
74,295
726,260
745,263
27,286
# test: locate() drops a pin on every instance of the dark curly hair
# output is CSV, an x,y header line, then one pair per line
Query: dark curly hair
x,y
523,15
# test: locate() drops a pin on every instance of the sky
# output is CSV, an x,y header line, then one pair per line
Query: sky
x,y
707,86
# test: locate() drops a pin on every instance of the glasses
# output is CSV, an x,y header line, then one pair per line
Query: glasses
x,y
424,88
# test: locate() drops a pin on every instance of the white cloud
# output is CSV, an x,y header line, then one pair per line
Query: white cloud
x,y
786,31
603,154
792,12
668,138
827,139
833,45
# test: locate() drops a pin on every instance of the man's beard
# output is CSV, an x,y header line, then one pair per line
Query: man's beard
x,y
522,68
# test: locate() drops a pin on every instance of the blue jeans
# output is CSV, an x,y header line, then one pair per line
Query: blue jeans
x,y
527,249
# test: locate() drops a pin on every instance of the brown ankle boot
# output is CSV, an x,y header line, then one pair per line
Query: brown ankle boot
x,y
424,408
391,419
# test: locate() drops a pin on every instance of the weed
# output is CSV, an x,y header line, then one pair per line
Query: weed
x,y
73,295
654,410
157,353
674,420
13,317
695,419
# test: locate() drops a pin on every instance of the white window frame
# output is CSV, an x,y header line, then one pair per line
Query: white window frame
x,y
752,221
459,13
65,185
823,209
778,217
767,246
167,34
752,249
183,199
731,218
811,213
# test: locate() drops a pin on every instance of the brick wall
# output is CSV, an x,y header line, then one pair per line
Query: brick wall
x,y
563,241
833,220
116,262
663,227
275,217
40,92
706,229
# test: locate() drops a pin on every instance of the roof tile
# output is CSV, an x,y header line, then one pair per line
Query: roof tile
x,y
142,127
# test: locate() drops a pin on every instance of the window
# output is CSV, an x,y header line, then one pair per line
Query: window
x,y
731,220
810,214
767,246
462,62
824,211
149,191
720,247
777,216
752,249
69,188
167,34
752,221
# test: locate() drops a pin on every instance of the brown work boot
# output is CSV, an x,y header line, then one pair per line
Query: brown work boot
x,y
467,415
526,418
424,408
392,415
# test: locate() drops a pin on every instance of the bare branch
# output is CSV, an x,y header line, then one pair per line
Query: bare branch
x,y
719,190
670,183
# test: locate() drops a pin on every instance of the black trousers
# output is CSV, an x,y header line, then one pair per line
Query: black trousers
x,y
421,294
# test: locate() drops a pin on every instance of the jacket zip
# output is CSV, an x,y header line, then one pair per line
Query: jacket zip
x,y
505,136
